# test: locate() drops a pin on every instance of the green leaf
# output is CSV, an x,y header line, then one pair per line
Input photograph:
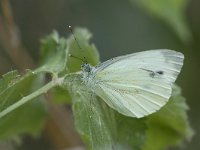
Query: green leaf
x,y
28,119
8,79
16,91
172,12
169,126
60,95
88,52
130,132
13,88
53,54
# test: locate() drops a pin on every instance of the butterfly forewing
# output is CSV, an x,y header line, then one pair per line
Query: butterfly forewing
x,y
138,84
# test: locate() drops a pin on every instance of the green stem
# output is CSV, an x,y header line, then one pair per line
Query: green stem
x,y
27,98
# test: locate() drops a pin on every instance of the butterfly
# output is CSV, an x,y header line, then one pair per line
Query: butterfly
x,y
137,84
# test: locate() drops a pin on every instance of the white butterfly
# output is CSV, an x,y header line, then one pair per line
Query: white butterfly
x,y
136,84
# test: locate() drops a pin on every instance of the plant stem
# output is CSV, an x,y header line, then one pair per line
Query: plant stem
x,y
29,97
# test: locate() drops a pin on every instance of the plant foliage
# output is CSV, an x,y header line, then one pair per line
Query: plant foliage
x,y
99,126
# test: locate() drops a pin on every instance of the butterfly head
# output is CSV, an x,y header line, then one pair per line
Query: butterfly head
x,y
86,67
87,74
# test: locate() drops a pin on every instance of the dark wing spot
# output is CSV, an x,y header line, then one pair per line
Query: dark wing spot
x,y
160,72
151,73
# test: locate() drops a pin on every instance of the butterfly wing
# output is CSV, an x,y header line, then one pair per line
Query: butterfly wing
x,y
138,84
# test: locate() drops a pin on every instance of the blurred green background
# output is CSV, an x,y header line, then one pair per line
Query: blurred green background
x,y
118,27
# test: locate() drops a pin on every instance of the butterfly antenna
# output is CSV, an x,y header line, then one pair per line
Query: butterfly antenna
x,y
84,58
70,55
70,29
